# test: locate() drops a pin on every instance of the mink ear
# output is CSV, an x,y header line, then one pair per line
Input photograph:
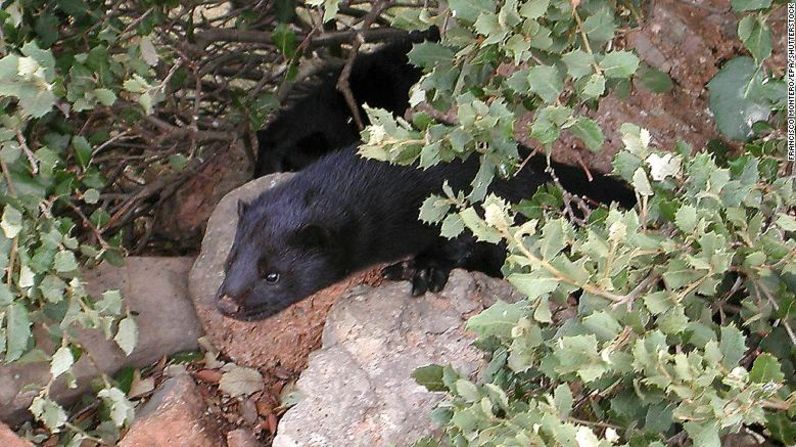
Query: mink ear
x,y
313,236
242,207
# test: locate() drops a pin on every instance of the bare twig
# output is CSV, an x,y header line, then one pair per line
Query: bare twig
x,y
342,82
34,167
642,287
584,167
205,38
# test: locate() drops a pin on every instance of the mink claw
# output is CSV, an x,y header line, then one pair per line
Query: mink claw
x,y
400,271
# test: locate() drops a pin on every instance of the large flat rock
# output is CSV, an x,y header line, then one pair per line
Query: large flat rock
x,y
358,390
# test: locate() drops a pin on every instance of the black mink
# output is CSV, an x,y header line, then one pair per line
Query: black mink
x,y
344,213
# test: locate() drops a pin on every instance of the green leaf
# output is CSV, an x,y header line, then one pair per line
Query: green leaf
x,y
732,346
48,412
91,196
487,25
65,261
734,98
469,10
52,288
782,427
542,312
600,26
426,441
619,64
563,400
641,184
756,36
452,226
6,297
588,131
531,285
604,326
766,369
82,149
61,362
430,54
658,302
593,88
148,52
121,409
579,355
686,218
703,435
673,321
553,239
178,162
663,166
110,304
749,5
546,82
46,27
17,331
127,335
635,139
655,80
433,209
579,63
11,222
786,222
430,376
658,418
284,39
498,319
330,8
467,390
478,227
534,9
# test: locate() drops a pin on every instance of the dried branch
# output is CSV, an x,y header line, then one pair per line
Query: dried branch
x,y
342,82
205,38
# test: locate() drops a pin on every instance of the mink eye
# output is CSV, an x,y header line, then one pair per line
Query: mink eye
x,y
272,277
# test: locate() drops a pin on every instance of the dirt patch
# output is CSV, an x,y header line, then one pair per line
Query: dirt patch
x,y
182,217
688,41
279,346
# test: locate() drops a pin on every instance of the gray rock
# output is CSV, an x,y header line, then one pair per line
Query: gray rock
x,y
155,288
358,390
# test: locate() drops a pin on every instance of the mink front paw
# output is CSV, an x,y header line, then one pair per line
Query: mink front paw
x,y
425,274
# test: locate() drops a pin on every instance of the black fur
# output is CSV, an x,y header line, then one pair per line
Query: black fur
x,y
345,213
320,120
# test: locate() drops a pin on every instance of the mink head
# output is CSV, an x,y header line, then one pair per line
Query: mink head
x,y
277,259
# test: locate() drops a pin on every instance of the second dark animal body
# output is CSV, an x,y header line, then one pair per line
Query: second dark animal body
x,y
345,213
319,119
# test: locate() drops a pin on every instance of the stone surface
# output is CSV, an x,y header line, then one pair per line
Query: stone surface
x,y
157,290
10,439
241,437
281,342
174,417
357,389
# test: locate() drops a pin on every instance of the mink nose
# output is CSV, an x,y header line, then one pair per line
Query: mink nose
x,y
227,305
